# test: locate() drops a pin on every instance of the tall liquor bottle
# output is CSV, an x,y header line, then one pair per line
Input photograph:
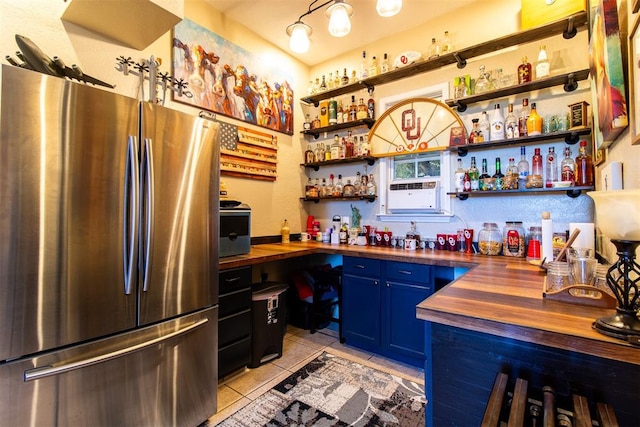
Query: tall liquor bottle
x,y
523,168
534,122
483,179
511,125
536,163
474,175
523,116
458,177
371,108
524,71
353,109
497,124
498,176
551,174
584,166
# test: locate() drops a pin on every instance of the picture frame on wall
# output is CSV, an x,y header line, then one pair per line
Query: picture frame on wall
x,y
228,80
607,73
634,80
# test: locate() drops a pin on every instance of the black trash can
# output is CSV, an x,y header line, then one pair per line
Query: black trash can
x,y
269,316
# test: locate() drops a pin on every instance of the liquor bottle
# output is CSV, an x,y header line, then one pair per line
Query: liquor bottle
x,y
335,148
371,108
356,185
349,150
361,112
511,125
316,85
308,155
315,124
385,64
307,122
551,173
336,80
434,50
536,163
567,167
308,188
461,89
366,148
354,77
364,67
348,190
458,177
345,113
534,122
337,188
318,153
475,135
371,186
323,85
353,109
512,175
311,88
330,81
445,45
497,124
498,176
524,71
523,116
325,189
584,166
327,153
485,126
484,183
466,181
345,78
343,149
333,112
363,185
523,168
373,67
340,115
474,175
543,66
483,84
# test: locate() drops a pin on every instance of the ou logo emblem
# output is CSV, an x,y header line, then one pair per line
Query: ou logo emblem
x,y
411,124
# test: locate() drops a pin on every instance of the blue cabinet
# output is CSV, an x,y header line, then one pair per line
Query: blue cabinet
x,y
379,306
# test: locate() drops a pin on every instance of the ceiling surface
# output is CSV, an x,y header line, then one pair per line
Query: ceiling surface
x,y
270,18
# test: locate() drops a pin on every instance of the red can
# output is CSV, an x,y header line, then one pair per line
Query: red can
x,y
441,241
451,242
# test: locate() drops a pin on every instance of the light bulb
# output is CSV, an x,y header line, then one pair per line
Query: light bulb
x,y
299,33
339,23
387,8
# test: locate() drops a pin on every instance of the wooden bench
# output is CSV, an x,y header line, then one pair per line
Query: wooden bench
x,y
543,413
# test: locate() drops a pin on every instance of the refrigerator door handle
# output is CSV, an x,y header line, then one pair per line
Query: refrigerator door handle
x,y
149,209
132,188
48,371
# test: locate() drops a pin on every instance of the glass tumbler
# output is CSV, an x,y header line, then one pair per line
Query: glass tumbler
x,y
558,276
583,265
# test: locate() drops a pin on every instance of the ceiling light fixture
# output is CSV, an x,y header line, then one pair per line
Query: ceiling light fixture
x,y
338,14
387,8
299,33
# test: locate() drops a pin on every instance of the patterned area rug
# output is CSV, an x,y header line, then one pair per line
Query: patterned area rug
x,y
332,391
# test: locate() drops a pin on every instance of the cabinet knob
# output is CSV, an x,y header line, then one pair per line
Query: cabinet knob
x,y
388,285
375,283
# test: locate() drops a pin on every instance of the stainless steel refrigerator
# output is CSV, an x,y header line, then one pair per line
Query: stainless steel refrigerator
x,y
108,258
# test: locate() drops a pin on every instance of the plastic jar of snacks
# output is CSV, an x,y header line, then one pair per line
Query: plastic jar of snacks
x,y
513,239
490,239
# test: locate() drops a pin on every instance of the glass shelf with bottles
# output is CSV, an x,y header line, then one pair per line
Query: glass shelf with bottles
x,y
332,128
568,80
568,27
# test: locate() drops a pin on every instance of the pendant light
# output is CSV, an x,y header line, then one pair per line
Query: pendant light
x,y
387,8
299,33
339,23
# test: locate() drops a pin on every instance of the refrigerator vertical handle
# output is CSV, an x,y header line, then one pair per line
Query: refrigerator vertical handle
x,y
149,209
131,211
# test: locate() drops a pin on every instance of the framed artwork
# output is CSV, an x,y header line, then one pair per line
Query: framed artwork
x,y
607,70
634,81
228,80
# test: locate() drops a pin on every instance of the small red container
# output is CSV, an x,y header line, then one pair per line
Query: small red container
x,y
468,240
451,242
441,241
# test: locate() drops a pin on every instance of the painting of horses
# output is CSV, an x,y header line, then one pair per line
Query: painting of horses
x,y
228,80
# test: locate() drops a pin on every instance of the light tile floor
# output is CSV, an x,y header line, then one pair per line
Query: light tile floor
x,y
299,348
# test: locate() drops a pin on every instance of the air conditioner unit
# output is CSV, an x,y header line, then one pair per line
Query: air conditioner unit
x,y
407,197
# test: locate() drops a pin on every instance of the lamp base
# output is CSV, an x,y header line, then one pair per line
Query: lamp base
x,y
625,326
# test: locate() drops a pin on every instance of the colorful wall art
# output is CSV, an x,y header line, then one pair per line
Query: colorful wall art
x,y
226,79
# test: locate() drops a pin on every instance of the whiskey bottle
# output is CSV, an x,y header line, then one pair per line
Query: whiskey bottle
x,y
353,109
308,155
584,166
361,113
524,71
349,146
327,153
345,78
458,177
330,81
371,108
323,85
345,113
335,148
340,117
371,186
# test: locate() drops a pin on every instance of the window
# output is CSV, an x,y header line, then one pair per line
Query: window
x,y
414,166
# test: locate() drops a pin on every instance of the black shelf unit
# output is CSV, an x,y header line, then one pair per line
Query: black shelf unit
x,y
333,199
362,159
571,137
572,192
316,132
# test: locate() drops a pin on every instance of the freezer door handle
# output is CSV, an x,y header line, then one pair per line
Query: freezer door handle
x,y
149,209
131,211
48,371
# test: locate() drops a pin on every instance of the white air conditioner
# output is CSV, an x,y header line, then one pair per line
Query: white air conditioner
x,y
412,196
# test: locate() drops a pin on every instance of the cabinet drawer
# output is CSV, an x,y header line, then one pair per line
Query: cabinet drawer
x,y
361,266
234,279
409,272
234,302
234,356
233,328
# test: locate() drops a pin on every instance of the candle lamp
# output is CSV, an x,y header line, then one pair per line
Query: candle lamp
x,y
618,217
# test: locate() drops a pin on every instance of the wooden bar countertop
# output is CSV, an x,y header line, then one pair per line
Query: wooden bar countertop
x,y
498,295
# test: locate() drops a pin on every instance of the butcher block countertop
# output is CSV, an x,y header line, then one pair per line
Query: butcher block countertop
x,y
498,295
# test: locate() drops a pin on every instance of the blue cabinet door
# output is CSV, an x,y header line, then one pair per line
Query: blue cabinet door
x,y
361,311
404,333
